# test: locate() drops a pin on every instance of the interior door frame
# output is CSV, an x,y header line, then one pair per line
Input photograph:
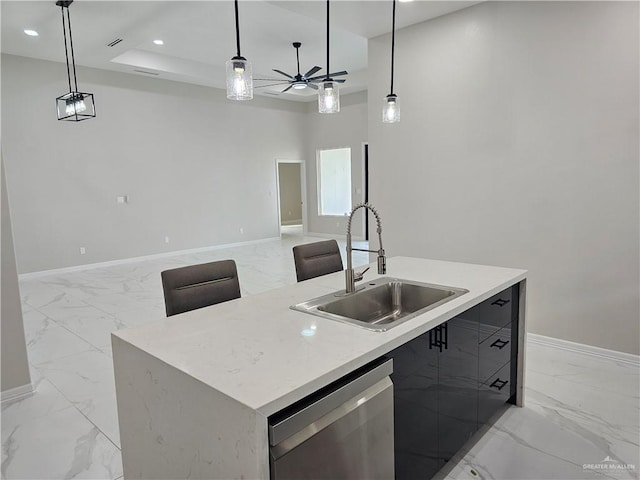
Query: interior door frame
x,y
365,189
303,193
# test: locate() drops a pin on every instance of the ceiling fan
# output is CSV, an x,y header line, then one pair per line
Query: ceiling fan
x,y
299,81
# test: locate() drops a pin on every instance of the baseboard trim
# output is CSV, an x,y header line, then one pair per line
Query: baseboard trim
x,y
17,393
590,350
110,263
288,223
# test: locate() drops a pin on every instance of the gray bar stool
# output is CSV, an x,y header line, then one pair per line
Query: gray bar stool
x,y
197,286
316,259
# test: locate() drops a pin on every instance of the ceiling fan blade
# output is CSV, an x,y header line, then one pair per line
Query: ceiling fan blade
x,y
272,85
321,78
312,71
339,80
287,89
312,85
282,73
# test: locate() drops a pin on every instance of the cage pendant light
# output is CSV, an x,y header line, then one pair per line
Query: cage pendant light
x,y
239,76
73,106
391,109
328,93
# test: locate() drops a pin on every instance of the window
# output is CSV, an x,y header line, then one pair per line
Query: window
x,y
334,181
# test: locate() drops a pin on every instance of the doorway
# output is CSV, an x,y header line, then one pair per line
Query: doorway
x,y
291,184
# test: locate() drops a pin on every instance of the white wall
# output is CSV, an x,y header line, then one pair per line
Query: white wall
x,y
345,129
195,166
15,366
518,146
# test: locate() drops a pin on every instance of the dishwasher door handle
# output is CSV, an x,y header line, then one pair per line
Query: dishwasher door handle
x,y
326,402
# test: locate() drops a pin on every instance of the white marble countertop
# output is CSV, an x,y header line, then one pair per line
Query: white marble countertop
x,y
253,350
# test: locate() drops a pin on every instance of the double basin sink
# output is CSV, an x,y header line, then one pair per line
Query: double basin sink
x,y
380,304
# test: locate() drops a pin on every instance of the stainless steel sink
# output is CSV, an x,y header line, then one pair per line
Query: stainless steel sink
x,y
381,304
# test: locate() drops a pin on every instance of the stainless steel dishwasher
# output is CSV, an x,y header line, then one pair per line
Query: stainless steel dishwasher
x,y
344,431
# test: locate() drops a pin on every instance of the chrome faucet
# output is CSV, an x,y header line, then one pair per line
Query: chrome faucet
x,y
351,276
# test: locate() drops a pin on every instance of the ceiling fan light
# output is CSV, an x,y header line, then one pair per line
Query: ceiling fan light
x,y
239,79
328,97
299,86
391,109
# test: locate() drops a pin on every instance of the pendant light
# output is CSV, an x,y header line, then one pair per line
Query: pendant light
x,y
391,110
73,106
239,78
328,94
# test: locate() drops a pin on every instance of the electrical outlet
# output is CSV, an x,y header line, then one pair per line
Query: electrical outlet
x,y
241,230
166,239
83,250
122,199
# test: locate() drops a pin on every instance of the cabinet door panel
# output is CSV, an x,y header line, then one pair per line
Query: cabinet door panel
x,y
415,380
494,393
457,385
494,353
416,453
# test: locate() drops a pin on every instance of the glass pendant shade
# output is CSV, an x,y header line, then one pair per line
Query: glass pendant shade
x,y
328,97
239,79
391,110
75,106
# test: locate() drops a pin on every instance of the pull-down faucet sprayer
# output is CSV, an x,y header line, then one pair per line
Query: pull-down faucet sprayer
x,y
350,276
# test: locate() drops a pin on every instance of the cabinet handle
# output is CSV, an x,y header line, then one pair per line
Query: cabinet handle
x,y
499,344
500,302
497,383
445,341
439,341
436,337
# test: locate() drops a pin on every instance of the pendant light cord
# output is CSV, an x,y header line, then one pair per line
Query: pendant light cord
x,y
66,52
393,41
73,59
328,71
66,49
237,30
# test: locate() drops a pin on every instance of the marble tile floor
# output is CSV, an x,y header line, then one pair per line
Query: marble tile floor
x,y
581,412
581,420
69,428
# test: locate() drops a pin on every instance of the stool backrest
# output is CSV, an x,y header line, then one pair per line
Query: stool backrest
x,y
197,286
316,259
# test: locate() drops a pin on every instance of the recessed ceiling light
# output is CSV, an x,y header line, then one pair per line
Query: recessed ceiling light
x,y
31,33
158,42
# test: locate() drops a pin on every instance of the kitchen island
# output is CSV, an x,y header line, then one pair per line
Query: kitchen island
x,y
195,390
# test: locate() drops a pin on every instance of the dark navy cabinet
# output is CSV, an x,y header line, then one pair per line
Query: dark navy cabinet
x,y
457,384
450,381
415,383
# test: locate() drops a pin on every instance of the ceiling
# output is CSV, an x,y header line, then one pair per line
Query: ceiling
x,y
199,36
